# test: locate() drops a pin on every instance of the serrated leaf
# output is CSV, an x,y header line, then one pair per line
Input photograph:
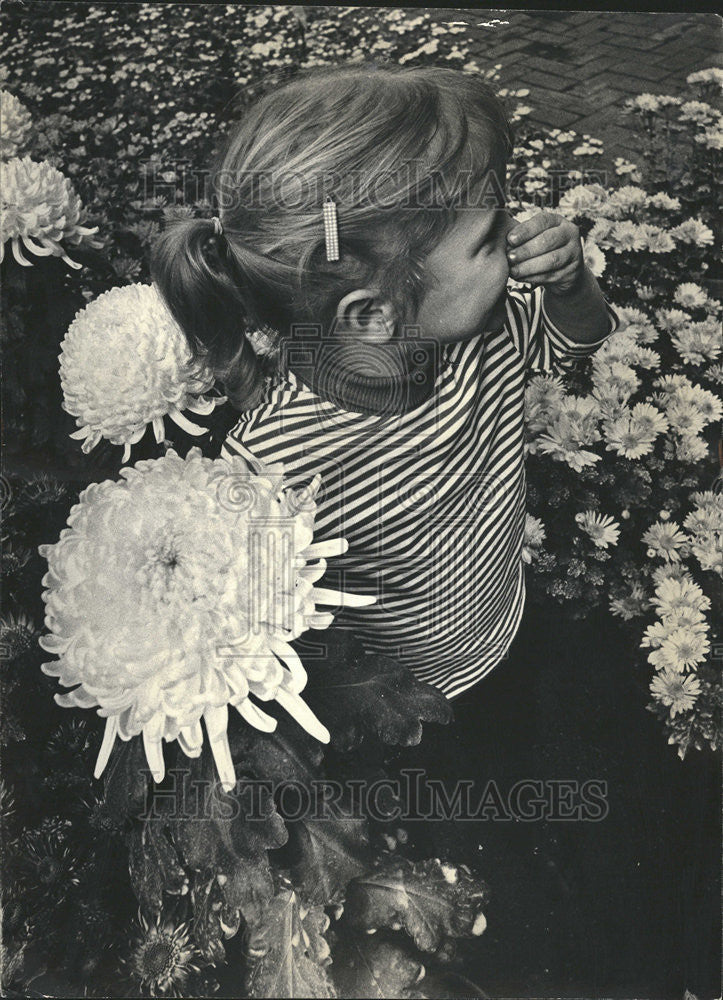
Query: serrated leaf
x,y
285,956
358,694
226,837
213,825
333,850
154,867
431,901
287,754
377,969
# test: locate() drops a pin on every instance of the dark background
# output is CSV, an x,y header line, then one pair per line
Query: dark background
x,y
625,907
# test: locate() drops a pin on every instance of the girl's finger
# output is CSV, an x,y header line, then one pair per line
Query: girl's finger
x,y
550,278
550,239
554,261
524,231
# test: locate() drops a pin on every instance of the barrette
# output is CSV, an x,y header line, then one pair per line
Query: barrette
x,y
331,229
217,226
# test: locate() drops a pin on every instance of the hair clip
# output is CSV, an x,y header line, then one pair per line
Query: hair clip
x,y
331,229
217,226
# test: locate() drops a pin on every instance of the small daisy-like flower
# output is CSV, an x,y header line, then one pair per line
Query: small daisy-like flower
x,y
18,635
48,868
657,240
163,957
664,202
625,201
656,634
690,296
627,437
709,406
682,650
684,418
594,258
626,168
708,550
627,235
632,605
636,322
664,539
713,75
691,448
125,365
600,234
613,378
698,342
39,212
673,593
563,446
15,125
687,618
671,319
693,231
649,419
601,528
698,111
675,691
644,102
583,200
711,138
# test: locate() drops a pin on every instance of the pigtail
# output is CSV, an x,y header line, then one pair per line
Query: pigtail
x,y
201,284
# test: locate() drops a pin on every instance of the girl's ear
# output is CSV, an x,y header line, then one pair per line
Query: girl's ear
x,y
361,314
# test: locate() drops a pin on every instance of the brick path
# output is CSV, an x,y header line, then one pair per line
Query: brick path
x,y
580,66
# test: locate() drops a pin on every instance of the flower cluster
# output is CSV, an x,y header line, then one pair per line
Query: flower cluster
x,y
125,365
176,592
633,429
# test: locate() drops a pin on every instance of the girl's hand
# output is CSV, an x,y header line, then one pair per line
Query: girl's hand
x,y
546,250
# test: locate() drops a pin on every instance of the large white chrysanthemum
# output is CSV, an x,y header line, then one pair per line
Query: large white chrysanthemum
x,y
39,212
175,592
15,125
125,364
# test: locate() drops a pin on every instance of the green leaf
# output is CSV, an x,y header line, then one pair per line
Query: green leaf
x,y
288,956
358,694
430,900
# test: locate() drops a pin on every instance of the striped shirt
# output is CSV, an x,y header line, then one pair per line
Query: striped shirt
x,y
431,501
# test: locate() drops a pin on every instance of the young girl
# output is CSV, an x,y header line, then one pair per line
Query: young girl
x,y
403,362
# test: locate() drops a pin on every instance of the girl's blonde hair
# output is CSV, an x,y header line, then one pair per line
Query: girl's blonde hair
x,y
398,149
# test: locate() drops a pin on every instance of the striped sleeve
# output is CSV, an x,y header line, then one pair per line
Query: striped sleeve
x,y
543,345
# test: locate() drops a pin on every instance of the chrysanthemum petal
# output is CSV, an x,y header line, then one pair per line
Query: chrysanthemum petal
x,y
291,659
300,711
111,728
338,599
333,547
216,720
154,752
185,424
254,716
191,740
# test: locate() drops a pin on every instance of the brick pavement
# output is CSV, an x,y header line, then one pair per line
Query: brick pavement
x,y
581,66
